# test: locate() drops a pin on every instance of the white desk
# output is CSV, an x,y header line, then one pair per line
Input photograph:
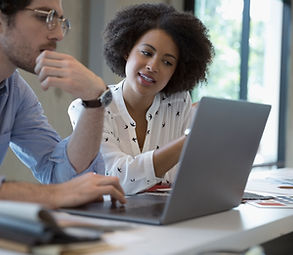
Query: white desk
x,y
237,229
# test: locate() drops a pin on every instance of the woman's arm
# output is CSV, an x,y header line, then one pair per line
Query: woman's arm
x,y
167,156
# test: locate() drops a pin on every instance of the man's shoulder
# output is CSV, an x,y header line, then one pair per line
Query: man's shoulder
x,y
19,89
17,81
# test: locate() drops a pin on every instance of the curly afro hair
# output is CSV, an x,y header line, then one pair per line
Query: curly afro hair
x,y
188,32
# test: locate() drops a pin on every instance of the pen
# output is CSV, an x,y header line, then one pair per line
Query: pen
x,y
285,187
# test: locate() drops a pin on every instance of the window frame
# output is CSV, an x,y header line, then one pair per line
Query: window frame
x,y
189,6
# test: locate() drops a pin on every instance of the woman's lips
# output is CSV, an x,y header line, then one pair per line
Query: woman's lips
x,y
147,78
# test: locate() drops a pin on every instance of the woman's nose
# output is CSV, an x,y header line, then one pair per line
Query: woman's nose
x,y
152,66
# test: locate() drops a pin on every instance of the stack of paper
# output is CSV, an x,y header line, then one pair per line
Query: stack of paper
x,y
277,182
30,228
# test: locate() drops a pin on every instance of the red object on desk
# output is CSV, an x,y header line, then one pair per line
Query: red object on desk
x,y
285,187
159,186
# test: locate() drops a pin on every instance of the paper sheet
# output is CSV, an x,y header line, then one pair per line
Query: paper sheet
x,y
270,181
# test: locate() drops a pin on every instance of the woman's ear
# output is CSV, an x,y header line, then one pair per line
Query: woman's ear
x,y
126,57
1,21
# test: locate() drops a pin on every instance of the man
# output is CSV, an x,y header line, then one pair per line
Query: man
x,y
29,31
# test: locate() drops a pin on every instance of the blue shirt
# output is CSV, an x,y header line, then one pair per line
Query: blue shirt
x,y
26,130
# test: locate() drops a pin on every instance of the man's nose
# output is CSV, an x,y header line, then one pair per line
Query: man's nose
x,y
57,33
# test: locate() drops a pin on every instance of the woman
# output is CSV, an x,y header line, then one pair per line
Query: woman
x,y
162,54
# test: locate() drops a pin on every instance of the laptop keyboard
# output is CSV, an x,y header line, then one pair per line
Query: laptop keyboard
x,y
144,200
255,196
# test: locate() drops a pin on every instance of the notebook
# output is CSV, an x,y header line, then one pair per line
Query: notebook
x,y
213,169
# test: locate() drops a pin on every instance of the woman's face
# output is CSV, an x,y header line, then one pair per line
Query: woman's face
x,y
151,63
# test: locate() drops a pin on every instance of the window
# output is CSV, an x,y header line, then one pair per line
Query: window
x,y
249,37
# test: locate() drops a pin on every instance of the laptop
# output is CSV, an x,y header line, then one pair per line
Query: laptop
x,y
213,169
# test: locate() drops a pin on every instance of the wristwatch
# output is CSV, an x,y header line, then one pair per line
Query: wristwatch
x,y
102,101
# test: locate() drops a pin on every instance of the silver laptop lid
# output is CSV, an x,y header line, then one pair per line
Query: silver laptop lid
x,y
216,159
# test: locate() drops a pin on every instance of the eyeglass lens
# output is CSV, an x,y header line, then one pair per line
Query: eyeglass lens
x,y
52,21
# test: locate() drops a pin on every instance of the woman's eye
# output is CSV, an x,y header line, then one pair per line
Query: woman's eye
x,y
146,53
167,63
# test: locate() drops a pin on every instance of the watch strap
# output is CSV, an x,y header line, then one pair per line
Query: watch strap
x,y
92,103
95,103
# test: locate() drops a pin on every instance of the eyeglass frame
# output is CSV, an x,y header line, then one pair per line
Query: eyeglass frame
x,y
51,15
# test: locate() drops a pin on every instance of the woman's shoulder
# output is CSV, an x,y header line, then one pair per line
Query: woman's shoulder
x,y
116,87
117,106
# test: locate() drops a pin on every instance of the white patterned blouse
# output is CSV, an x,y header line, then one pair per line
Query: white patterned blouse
x,y
167,118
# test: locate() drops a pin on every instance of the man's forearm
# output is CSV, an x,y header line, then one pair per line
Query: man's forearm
x,y
86,188
55,69
85,141
29,192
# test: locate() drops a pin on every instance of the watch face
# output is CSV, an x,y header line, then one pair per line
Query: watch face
x,y
106,98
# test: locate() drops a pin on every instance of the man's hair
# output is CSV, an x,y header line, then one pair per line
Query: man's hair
x,y
188,32
11,7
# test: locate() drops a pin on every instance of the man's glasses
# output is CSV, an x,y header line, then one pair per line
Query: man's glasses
x,y
52,20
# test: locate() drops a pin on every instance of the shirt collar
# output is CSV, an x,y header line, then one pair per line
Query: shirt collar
x,y
118,94
3,86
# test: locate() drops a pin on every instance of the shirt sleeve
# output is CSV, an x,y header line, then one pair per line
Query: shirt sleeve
x,y
38,145
64,171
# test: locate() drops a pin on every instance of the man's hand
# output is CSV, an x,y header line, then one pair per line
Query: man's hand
x,y
84,189
87,188
63,71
